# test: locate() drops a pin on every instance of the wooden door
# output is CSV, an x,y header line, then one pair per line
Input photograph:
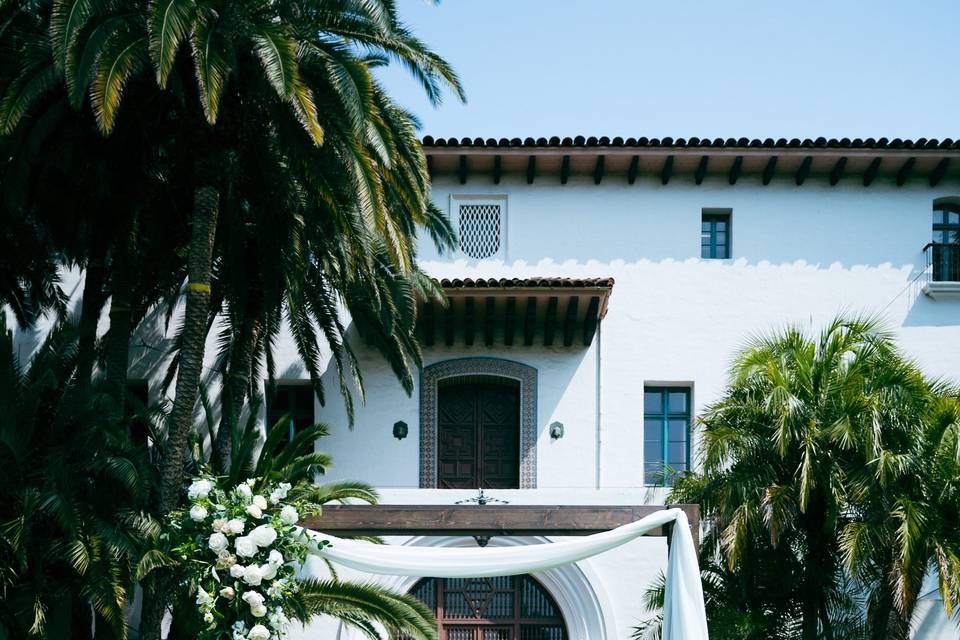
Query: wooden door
x,y
479,435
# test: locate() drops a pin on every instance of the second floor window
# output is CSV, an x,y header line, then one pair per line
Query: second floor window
x,y
715,234
666,433
945,249
946,223
293,400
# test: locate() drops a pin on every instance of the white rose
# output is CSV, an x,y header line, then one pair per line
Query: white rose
x,y
244,490
218,542
253,598
289,515
260,501
219,525
268,571
204,598
255,511
264,535
198,513
199,489
258,612
208,617
275,557
259,632
235,526
236,571
228,593
252,575
246,547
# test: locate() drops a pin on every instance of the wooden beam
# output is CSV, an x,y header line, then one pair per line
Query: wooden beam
x,y
939,171
701,171
598,169
735,170
837,172
531,169
769,170
462,170
871,173
509,321
667,170
449,324
429,324
489,520
804,170
904,174
497,169
430,166
469,323
488,320
564,169
570,321
530,323
550,322
633,170
591,321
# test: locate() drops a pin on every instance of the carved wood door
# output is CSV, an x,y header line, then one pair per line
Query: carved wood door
x,y
478,426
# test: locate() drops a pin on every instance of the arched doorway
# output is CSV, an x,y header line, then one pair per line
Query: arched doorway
x,y
505,608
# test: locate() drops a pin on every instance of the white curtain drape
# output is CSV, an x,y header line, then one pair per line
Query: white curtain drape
x,y
684,617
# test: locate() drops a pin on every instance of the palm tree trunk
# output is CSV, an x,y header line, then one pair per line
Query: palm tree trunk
x,y
117,347
236,384
93,299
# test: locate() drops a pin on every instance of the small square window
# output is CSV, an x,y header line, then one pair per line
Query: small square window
x,y
715,234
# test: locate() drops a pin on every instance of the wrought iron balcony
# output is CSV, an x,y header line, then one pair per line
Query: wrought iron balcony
x,y
942,270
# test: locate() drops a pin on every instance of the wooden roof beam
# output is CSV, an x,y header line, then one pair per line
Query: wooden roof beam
x,y
564,169
462,169
570,321
497,169
939,171
531,169
469,323
429,324
530,322
449,324
837,172
488,320
591,321
550,322
735,170
701,171
904,173
598,169
804,170
430,167
871,173
769,170
633,170
509,321
667,170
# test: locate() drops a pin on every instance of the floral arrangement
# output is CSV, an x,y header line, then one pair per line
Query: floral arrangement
x,y
241,548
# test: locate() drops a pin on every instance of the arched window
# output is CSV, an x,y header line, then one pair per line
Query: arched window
x,y
507,608
945,248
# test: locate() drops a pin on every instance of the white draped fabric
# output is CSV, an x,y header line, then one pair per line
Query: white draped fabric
x,y
684,617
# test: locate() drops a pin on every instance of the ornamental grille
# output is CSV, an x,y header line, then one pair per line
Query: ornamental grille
x,y
480,230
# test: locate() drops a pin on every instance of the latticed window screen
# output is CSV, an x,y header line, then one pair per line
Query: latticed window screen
x,y
509,608
480,229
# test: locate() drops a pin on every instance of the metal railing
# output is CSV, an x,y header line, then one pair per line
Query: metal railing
x,y
943,262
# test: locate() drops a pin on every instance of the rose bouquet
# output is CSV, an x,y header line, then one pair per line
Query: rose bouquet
x,y
240,548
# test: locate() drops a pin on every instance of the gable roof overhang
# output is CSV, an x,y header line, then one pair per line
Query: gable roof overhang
x,y
515,312
866,162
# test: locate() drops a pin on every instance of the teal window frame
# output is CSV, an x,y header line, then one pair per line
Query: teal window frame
x,y
658,469
712,224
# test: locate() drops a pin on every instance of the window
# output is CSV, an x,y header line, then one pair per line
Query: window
x,y
480,226
666,433
291,399
715,234
945,250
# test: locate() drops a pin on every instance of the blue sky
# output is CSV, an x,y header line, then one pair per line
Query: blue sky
x,y
682,68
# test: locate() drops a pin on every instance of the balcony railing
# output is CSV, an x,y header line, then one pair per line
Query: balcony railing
x,y
943,262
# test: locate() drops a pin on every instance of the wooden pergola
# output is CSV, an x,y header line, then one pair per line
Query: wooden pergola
x,y
484,521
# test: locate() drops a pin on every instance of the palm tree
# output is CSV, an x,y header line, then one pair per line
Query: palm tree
x,y
808,452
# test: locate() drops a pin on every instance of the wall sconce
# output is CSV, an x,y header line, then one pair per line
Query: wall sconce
x,y
400,430
556,430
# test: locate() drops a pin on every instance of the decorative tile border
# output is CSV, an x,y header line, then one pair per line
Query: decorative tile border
x,y
431,376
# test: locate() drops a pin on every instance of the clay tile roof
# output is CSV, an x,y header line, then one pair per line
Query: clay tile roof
x,y
526,283
736,143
